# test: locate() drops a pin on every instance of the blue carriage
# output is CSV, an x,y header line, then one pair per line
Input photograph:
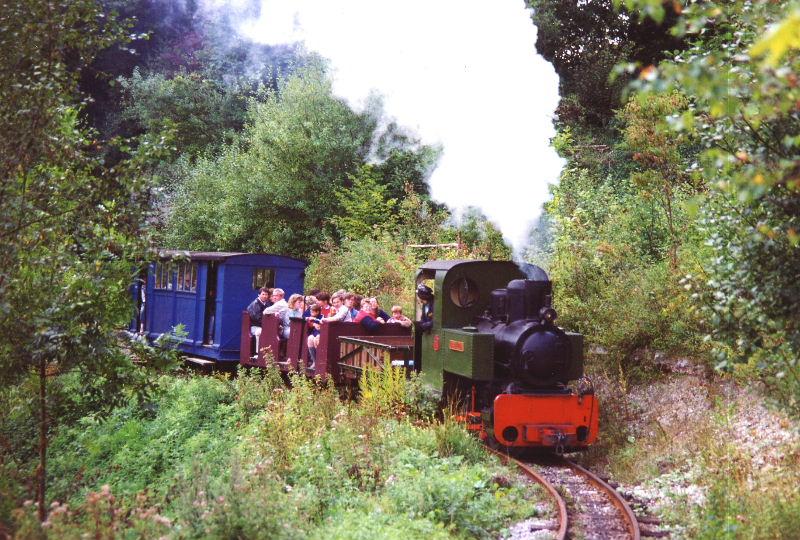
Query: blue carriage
x,y
206,293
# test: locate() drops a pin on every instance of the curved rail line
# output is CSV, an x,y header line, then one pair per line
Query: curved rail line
x,y
631,524
563,518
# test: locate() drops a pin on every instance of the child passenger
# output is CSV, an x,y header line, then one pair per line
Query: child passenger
x,y
314,322
398,317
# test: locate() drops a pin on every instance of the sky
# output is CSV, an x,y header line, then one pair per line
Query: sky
x,y
463,74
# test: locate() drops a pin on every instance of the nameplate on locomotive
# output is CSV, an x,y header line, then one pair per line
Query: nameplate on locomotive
x,y
456,345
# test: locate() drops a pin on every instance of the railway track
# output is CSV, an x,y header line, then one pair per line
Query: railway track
x,y
587,507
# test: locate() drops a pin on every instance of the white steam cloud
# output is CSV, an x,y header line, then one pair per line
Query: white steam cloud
x,y
464,74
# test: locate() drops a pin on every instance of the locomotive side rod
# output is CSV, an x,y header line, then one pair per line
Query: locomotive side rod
x,y
563,518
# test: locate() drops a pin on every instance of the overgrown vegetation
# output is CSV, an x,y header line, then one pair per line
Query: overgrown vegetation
x,y
250,457
675,220
131,125
674,224
674,227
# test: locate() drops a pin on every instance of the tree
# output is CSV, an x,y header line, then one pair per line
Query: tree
x,y
743,113
171,38
275,188
403,162
478,236
200,113
364,210
585,41
658,153
70,227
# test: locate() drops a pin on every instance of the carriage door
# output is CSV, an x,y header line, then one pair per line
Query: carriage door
x,y
211,304
140,301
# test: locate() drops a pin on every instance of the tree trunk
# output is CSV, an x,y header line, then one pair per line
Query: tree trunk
x,y
673,248
42,469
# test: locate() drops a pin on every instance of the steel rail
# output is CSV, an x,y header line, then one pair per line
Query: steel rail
x,y
563,518
631,523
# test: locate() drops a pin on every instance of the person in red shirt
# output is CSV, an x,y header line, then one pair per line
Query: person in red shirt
x,y
324,301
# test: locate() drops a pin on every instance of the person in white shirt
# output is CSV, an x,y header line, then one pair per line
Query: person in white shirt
x,y
339,309
279,305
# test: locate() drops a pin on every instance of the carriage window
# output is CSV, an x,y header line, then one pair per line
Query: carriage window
x,y
464,292
263,277
164,275
187,277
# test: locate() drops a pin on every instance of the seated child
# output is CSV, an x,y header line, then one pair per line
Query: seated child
x,y
398,317
314,321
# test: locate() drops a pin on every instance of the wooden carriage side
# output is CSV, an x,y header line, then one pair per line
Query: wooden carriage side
x,y
329,350
268,343
292,354
358,353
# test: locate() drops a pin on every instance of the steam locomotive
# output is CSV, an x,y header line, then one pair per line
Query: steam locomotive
x,y
494,340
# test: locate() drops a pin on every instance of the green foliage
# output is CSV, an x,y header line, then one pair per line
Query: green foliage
x,y
367,266
611,266
364,209
272,192
202,113
405,163
276,189
585,40
71,226
395,392
659,154
249,457
133,452
384,390
743,115
478,236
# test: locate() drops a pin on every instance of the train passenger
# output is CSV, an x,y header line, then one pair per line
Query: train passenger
x,y
310,300
324,300
256,310
382,314
295,310
398,317
338,311
279,305
349,302
425,294
314,323
368,318
357,299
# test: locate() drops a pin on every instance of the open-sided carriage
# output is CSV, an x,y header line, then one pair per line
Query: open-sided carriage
x,y
344,349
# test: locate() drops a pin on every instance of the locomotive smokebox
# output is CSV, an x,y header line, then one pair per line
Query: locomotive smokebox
x,y
533,353
545,356
529,348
